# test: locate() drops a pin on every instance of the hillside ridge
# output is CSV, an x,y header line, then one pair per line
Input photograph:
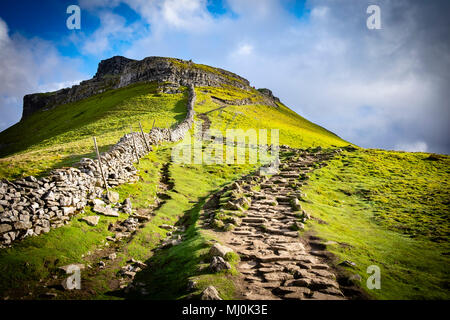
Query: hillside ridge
x,y
118,72
32,206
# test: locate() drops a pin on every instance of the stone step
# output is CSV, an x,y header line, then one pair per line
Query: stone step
x,y
254,220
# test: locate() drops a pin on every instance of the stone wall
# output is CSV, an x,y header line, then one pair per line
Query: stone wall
x,y
32,206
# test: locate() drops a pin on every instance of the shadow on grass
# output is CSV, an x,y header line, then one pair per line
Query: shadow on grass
x,y
168,270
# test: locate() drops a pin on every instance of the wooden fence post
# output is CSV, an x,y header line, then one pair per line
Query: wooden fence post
x,y
153,125
143,137
134,143
100,164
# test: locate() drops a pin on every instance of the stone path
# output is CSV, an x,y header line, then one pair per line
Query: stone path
x,y
275,263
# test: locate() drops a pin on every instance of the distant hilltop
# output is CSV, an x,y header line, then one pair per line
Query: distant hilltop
x,y
118,71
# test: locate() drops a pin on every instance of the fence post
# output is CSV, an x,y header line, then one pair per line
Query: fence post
x,y
153,125
100,164
134,143
143,137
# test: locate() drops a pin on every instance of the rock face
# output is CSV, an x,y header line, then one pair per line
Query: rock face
x,y
268,93
210,293
112,66
118,72
33,206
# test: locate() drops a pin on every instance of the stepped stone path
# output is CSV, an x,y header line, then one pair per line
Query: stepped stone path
x,y
275,262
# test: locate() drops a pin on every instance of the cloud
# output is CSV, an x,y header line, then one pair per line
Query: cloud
x,y
376,88
418,146
326,65
27,66
113,34
243,50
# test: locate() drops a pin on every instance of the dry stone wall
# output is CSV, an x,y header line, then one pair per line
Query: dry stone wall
x,y
32,206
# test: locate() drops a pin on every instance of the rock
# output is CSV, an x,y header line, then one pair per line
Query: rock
x,y
295,203
347,263
50,196
127,206
218,264
98,202
322,296
22,225
5,228
107,211
233,206
191,285
355,277
68,210
113,197
166,226
210,293
112,256
219,250
91,220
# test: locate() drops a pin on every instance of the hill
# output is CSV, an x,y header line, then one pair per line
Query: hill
x,y
310,231
51,135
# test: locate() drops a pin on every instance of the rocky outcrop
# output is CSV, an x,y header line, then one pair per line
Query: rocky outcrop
x,y
118,72
33,206
112,66
268,93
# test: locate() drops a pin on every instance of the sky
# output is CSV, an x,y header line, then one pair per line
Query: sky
x,y
378,88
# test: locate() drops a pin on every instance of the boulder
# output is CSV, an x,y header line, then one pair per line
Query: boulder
x,y
107,211
68,210
210,293
218,264
295,203
219,250
113,197
91,220
127,206
5,228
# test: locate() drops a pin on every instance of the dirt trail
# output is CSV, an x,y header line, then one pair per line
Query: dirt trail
x,y
275,262
206,123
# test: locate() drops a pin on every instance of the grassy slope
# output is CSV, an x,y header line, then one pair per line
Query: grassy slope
x,y
37,258
295,130
63,135
388,209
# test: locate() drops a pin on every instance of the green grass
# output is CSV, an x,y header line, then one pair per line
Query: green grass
x,y
388,209
62,136
294,130
27,262
384,208
171,268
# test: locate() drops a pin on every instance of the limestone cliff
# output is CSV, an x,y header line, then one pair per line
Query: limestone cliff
x,y
118,72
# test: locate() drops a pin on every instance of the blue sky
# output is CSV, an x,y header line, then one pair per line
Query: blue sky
x,y
377,88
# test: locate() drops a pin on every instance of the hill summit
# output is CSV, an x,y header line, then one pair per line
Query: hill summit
x,y
118,72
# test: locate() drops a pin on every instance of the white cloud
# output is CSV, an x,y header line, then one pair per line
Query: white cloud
x,y
27,66
418,146
326,66
244,50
